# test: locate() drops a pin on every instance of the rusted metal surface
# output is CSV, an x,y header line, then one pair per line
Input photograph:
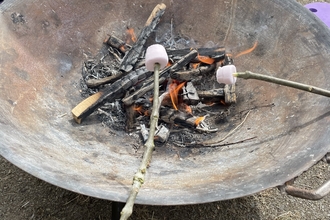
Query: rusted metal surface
x,y
41,54
315,194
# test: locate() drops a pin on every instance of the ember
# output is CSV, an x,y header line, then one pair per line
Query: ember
x,y
118,75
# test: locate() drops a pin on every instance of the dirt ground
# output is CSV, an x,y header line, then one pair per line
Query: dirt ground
x,y
26,197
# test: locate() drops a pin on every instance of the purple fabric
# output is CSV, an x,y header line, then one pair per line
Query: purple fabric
x,y
321,10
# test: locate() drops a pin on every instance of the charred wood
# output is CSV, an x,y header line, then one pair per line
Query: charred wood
x,y
212,93
230,95
162,134
184,119
192,74
117,43
115,90
163,74
217,53
190,95
133,54
227,94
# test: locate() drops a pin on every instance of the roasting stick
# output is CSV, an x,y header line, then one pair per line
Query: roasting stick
x,y
227,74
156,59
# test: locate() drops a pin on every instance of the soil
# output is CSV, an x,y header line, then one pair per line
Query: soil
x,y
26,197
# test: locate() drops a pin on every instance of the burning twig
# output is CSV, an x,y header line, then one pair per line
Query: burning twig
x,y
117,43
133,54
184,119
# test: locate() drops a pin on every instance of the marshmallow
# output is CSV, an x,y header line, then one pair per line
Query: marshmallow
x,y
156,53
225,74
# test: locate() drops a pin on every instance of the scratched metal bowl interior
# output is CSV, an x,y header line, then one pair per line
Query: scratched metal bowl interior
x,y
44,43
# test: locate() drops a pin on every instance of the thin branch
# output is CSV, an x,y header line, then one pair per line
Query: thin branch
x,y
218,142
230,133
296,85
139,176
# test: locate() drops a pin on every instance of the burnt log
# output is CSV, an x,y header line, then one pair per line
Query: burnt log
x,y
133,54
92,83
190,95
192,74
217,53
117,43
227,94
114,91
184,119
163,74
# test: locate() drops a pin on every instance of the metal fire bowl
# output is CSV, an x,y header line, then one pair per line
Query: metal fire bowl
x,y
42,48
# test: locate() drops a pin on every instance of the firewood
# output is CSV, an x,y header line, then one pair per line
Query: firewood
x,y
191,74
217,53
184,119
230,95
212,93
168,70
190,95
115,90
227,94
133,54
117,43
130,117
92,83
162,134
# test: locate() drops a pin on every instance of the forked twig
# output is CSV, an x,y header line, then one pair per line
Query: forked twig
x,y
149,146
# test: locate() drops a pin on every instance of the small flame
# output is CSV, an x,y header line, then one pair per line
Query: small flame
x,y
205,59
248,50
199,120
185,107
209,103
139,109
195,65
174,92
122,48
131,34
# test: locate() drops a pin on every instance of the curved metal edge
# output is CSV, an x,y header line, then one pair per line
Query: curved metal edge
x,y
315,194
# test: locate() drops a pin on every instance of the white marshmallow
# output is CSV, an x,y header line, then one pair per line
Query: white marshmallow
x,y
225,74
156,53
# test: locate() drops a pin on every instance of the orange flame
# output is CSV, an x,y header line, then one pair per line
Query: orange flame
x,y
122,48
174,92
185,107
248,50
199,120
195,65
130,32
205,59
139,109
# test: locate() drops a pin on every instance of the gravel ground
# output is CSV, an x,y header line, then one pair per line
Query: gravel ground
x,y
26,197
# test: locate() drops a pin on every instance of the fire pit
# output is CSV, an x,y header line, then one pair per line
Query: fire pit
x,y
43,45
